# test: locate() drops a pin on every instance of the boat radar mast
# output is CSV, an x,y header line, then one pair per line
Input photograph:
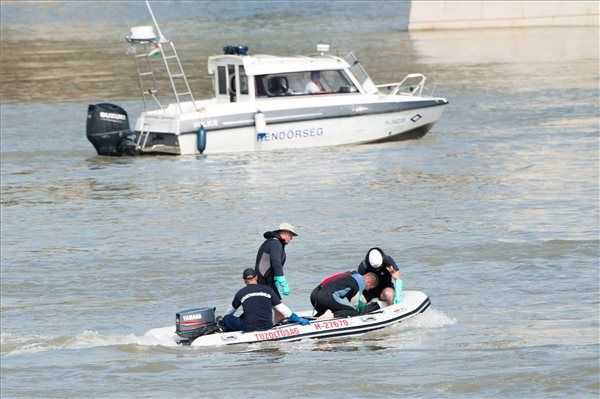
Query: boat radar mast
x,y
322,49
145,44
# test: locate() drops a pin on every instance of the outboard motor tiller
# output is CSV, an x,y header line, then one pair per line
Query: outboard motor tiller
x,y
193,323
108,130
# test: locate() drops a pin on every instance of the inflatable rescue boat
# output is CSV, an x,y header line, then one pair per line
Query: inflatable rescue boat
x,y
198,327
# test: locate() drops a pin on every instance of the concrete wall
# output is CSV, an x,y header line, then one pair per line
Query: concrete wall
x,y
473,14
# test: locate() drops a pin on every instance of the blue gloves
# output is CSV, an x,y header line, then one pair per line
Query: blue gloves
x,y
282,285
398,294
300,320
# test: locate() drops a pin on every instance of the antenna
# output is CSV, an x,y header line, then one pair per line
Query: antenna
x,y
160,35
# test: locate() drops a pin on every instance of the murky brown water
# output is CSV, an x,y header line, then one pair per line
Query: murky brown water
x,y
494,214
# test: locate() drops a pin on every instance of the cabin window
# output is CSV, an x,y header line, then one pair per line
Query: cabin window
x,y
303,83
232,88
337,82
243,81
222,80
231,70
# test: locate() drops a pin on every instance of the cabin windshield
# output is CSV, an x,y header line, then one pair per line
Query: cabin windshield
x,y
359,72
303,83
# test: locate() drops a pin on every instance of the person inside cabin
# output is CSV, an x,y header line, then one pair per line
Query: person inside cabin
x,y
389,287
315,85
258,302
335,292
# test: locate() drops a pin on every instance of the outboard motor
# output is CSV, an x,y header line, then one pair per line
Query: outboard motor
x,y
193,323
108,130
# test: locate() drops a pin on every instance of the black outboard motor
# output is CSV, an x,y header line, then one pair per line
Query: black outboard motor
x,y
193,323
108,130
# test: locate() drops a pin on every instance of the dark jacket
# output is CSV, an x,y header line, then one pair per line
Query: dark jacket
x,y
270,259
384,278
343,285
257,301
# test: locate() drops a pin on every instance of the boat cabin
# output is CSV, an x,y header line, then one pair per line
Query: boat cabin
x,y
247,78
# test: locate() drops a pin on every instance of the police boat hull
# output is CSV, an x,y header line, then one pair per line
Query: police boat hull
x,y
413,304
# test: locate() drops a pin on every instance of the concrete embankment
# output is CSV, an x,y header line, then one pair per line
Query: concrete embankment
x,y
475,14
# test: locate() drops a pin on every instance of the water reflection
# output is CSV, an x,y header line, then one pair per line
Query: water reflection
x,y
100,162
257,354
67,191
336,345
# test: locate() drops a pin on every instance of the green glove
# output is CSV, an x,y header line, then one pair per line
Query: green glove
x,y
398,295
282,285
361,306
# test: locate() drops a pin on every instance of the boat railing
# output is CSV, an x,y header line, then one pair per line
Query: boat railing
x,y
411,85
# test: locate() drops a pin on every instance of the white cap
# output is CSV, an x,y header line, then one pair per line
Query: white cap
x,y
375,257
287,227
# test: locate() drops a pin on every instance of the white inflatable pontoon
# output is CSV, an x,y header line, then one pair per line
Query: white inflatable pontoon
x,y
413,304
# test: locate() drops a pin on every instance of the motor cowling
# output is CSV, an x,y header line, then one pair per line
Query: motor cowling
x,y
108,130
193,323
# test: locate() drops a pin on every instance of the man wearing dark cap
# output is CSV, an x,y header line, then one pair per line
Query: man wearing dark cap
x,y
258,301
389,288
271,258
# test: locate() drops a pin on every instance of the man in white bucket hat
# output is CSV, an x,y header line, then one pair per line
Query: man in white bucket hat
x,y
271,258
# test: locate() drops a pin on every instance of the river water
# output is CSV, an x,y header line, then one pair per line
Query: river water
x,y
494,214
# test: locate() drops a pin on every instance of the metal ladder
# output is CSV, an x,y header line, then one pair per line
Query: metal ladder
x,y
145,70
147,78
173,67
175,72
143,137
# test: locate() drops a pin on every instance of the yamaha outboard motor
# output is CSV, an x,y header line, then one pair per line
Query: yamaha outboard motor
x,y
192,323
108,130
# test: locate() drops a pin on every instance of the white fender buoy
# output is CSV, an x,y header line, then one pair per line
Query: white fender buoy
x,y
260,122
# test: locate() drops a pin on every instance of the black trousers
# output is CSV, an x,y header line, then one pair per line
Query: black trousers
x,y
322,300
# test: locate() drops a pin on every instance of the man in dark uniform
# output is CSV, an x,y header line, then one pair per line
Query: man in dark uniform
x,y
258,301
389,288
271,258
335,292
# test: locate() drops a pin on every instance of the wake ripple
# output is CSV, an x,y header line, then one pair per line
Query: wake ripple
x,y
13,344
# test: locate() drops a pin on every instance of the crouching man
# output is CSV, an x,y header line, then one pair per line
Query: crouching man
x,y
257,301
389,287
335,292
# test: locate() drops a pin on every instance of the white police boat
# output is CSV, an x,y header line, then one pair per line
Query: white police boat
x,y
261,102
202,330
